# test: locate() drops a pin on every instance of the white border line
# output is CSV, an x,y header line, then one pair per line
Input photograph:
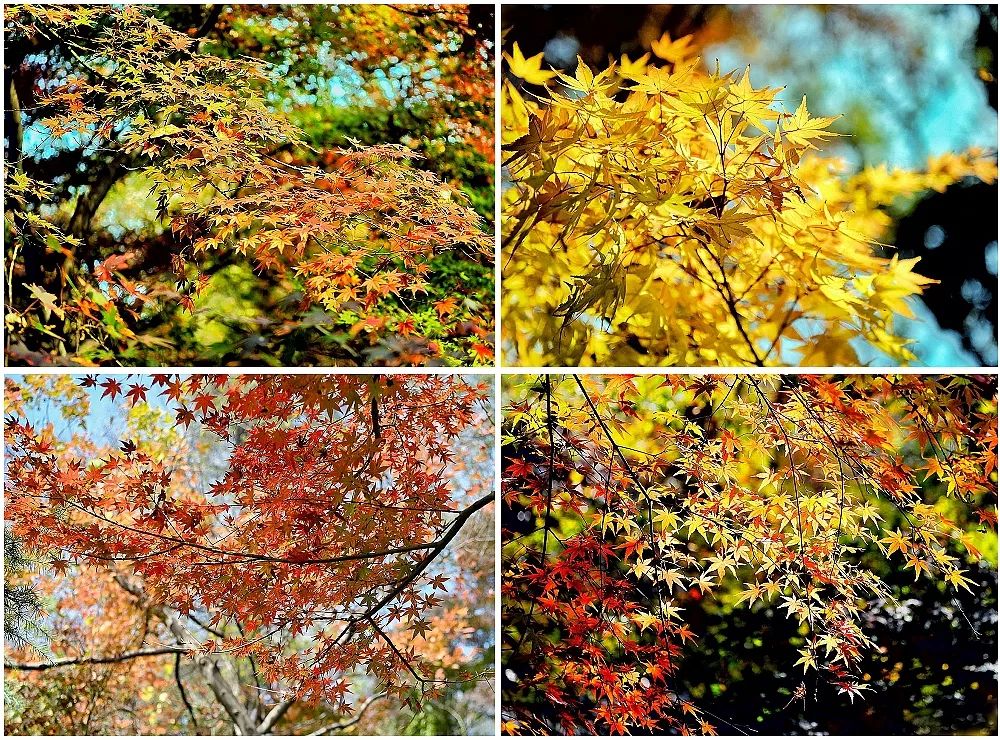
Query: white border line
x,y
497,373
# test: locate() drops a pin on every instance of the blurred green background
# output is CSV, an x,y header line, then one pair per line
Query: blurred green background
x,y
417,76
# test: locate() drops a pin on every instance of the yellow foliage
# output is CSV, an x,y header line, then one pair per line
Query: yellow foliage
x,y
664,215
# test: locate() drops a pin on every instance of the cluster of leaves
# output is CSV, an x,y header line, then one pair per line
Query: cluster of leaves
x,y
625,496
433,92
661,214
355,233
309,547
98,698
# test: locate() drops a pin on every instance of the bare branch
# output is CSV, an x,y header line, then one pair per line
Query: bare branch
x,y
326,729
276,713
183,693
92,660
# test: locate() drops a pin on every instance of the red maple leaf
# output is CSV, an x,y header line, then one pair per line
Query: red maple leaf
x,y
482,351
136,393
406,327
111,388
204,403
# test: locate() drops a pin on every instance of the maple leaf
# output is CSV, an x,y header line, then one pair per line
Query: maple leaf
x,y
482,352
419,627
629,68
406,327
956,579
800,129
934,468
656,673
666,520
672,578
530,69
358,227
852,689
136,393
918,564
673,51
103,271
641,568
261,523
645,620
807,659
773,501
112,388
987,517
896,541
518,469
684,632
446,306
185,416
566,272
48,301
439,582
59,565
204,403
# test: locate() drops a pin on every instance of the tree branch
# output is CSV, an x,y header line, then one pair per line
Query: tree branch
x,y
442,543
352,721
183,693
221,688
93,660
276,713
214,11
251,556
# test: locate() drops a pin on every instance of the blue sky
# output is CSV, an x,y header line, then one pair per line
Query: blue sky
x,y
905,79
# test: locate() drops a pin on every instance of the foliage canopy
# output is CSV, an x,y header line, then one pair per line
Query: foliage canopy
x,y
662,214
174,197
630,499
287,536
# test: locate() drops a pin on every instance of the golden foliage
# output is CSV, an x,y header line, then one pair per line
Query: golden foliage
x,y
665,215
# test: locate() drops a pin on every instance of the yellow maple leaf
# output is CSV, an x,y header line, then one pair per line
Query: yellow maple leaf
x,y
801,129
956,579
808,660
628,68
918,564
644,620
641,568
673,51
896,541
528,69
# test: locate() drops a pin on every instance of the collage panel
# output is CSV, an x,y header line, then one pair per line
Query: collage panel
x,y
249,185
749,554
258,425
285,554
749,185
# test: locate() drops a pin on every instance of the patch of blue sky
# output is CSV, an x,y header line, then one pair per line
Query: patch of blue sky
x,y
991,258
933,346
906,72
39,142
561,51
281,23
106,421
905,77
343,86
